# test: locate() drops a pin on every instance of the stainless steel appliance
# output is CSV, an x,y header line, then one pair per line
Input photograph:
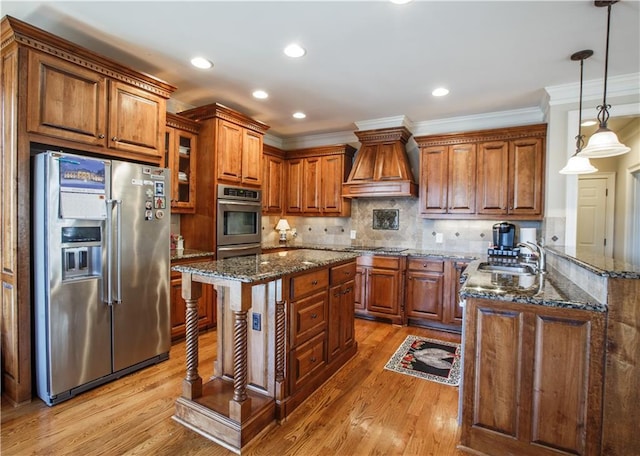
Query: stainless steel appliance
x,y
239,218
101,259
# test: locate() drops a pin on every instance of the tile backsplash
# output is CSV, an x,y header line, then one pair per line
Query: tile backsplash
x,y
415,232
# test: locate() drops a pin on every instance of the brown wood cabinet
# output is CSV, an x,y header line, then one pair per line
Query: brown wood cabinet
x,y
432,293
485,174
448,179
72,102
314,180
273,178
379,288
229,151
181,151
341,330
532,379
206,304
57,93
510,177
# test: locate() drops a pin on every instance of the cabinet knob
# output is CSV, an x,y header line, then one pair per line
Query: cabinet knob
x,y
101,136
315,282
313,359
115,138
347,291
314,316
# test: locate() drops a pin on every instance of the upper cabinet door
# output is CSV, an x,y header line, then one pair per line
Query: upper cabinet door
x,y
294,185
66,100
433,180
332,178
229,150
251,158
462,179
526,174
493,175
136,120
272,184
311,185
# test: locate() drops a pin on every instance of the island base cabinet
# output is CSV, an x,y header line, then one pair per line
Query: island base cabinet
x,y
532,380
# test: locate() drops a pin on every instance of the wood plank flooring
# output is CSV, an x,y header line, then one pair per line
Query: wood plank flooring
x,y
362,410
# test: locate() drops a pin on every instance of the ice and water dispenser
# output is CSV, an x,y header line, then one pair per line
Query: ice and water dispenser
x,y
81,252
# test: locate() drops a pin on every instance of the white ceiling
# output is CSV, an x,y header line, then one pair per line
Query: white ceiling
x,y
365,59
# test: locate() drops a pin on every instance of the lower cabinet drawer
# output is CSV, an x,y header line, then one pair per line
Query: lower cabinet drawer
x,y
307,359
309,283
308,317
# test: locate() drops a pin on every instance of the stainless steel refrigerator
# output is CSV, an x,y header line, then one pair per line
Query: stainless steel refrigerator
x,y
101,271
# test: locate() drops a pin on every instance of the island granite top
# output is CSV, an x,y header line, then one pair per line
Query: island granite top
x,y
265,267
598,264
186,254
551,289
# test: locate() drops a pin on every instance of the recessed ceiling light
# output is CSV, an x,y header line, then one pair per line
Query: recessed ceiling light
x,y
260,94
588,123
201,62
400,2
294,50
299,115
440,92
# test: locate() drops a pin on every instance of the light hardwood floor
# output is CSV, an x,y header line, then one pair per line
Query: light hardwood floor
x,y
362,410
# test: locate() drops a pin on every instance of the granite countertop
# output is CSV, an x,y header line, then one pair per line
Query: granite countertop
x,y
265,267
186,254
598,264
369,250
551,289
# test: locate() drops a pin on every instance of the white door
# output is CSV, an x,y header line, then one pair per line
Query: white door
x,y
595,216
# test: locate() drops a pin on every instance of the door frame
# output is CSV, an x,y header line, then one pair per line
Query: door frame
x,y
632,250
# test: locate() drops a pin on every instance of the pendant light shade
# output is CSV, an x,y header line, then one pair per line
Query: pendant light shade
x,y
578,164
604,142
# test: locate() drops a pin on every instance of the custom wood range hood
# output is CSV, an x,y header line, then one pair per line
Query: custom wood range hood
x,y
381,165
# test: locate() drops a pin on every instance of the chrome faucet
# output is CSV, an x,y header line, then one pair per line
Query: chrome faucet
x,y
538,251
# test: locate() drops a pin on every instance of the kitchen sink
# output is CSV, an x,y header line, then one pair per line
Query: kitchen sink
x,y
505,268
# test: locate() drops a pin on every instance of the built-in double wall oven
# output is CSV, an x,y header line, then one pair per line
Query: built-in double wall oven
x,y
239,221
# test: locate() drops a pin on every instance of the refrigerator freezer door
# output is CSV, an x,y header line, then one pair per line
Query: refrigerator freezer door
x,y
141,325
72,322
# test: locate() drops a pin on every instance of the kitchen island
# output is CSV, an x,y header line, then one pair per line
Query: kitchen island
x,y
301,311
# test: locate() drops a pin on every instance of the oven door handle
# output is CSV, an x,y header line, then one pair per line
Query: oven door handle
x,y
240,203
238,247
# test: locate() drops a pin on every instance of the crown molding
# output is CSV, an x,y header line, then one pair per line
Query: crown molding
x,y
321,139
385,122
617,86
484,121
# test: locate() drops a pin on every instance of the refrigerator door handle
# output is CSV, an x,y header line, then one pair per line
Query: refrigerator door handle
x,y
109,247
118,297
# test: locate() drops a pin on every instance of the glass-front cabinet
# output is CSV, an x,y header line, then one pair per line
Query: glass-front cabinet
x,y
181,139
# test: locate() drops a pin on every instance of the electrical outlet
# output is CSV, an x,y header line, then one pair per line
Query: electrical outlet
x,y
439,238
256,322
353,234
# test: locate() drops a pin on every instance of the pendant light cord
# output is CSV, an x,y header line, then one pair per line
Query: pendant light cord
x,y
603,115
580,137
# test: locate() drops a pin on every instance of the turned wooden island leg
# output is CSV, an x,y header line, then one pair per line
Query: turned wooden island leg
x,y
191,292
240,405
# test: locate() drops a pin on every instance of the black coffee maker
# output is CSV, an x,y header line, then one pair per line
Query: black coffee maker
x,y
504,240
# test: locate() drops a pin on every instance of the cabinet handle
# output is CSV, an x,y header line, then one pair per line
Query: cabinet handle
x,y
315,282
313,359
115,138
348,290
101,136
314,316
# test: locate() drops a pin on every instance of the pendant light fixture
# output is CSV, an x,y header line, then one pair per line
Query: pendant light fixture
x,y
578,164
604,142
